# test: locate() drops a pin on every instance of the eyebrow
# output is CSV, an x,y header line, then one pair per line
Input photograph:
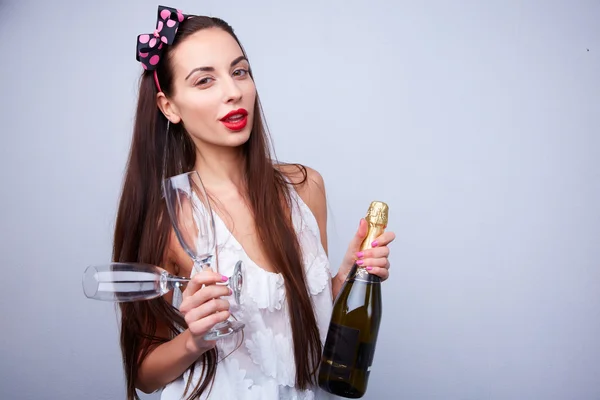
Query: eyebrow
x,y
211,69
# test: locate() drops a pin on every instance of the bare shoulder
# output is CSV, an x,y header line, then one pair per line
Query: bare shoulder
x,y
308,182
310,186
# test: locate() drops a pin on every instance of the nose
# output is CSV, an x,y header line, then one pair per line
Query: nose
x,y
231,91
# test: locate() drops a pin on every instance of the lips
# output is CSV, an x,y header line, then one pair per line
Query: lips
x,y
235,120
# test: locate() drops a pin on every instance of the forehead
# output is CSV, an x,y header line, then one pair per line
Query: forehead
x,y
212,47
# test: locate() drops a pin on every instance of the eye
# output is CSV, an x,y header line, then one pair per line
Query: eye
x,y
203,81
240,72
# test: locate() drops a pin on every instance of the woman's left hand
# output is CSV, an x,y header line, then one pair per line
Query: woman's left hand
x,y
375,259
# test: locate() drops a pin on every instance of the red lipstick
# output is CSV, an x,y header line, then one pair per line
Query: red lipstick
x,y
235,120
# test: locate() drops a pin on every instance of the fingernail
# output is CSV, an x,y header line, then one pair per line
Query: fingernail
x,y
375,243
360,254
360,262
224,278
230,291
369,268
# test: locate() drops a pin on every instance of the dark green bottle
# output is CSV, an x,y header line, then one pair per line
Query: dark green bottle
x,y
350,345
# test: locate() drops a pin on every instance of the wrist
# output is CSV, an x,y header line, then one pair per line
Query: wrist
x,y
337,282
339,278
192,348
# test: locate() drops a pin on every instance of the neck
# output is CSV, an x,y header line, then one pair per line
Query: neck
x,y
220,166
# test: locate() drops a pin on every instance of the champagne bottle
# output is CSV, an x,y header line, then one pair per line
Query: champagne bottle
x,y
350,344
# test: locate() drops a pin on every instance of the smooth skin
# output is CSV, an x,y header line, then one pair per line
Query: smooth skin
x,y
211,79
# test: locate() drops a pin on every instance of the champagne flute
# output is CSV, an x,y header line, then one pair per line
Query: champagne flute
x,y
125,282
191,215
129,281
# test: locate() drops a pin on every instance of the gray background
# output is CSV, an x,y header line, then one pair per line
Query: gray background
x,y
477,121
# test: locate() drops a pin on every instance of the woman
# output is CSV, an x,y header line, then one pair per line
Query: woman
x,y
198,109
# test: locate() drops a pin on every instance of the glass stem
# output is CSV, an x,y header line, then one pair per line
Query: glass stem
x,y
179,281
205,263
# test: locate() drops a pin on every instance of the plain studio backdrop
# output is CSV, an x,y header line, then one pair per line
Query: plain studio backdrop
x,y
477,121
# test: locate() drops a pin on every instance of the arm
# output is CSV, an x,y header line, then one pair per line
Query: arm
x,y
314,195
168,361
202,309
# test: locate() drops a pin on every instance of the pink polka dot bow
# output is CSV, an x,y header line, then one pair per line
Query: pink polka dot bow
x,y
150,45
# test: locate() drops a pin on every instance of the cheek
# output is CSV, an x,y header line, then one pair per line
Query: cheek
x,y
198,110
249,90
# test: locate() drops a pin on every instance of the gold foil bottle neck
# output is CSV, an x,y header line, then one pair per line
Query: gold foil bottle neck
x,y
378,214
377,220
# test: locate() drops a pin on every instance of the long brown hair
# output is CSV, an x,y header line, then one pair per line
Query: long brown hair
x,y
143,227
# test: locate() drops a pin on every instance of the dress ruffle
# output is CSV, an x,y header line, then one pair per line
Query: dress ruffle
x,y
272,354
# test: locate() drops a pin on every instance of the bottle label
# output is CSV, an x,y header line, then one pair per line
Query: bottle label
x,y
364,360
360,274
340,349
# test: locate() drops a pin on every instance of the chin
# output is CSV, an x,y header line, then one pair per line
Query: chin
x,y
235,139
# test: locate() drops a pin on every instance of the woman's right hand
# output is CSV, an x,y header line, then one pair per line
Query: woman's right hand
x,y
203,308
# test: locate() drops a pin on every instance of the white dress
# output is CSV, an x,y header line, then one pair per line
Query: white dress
x,y
262,367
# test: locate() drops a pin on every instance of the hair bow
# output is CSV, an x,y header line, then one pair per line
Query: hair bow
x,y
150,45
